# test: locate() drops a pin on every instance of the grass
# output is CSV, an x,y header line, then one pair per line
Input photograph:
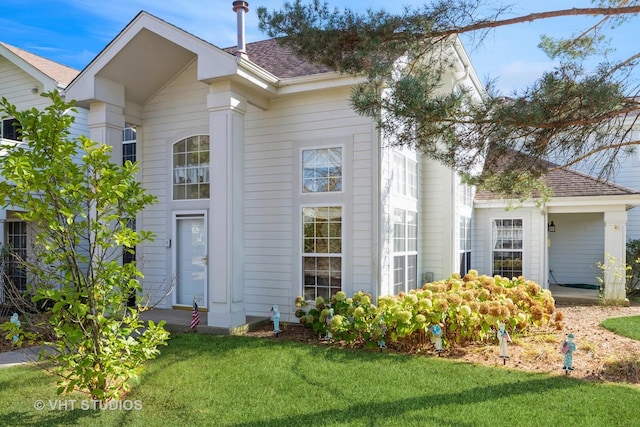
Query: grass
x,y
626,326
248,382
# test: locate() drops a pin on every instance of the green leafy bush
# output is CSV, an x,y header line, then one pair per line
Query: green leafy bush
x,y
467,309
80,204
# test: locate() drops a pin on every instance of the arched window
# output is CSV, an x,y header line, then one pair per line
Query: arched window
x,y
191,168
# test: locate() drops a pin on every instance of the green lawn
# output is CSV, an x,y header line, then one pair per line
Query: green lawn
x,y
625,326
202,380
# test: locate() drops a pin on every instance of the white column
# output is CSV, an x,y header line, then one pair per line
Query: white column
x,y
615,237
106,122
226,283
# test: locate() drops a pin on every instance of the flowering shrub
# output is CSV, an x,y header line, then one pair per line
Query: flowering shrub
x,y
466,308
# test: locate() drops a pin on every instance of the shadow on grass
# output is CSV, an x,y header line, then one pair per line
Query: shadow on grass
x,y
48,418
375,413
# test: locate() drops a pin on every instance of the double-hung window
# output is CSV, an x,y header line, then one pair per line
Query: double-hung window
x,y
465,245
507,240
405,250
322,222
129,140
405,176
404,222
10,129
322,251
14,273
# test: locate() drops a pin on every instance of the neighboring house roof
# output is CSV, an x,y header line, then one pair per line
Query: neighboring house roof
x,y
59,73
570,183
279,60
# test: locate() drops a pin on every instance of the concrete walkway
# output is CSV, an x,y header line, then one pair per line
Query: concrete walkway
x,y
20,356
565,295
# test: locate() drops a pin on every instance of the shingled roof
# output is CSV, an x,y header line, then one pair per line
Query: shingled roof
x,y
279,60
570,183
59,73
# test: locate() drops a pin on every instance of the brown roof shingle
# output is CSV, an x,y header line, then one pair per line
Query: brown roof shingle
x,y
570,183
278,60
59,73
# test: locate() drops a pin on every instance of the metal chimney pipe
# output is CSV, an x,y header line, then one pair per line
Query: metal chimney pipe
x,y
241,7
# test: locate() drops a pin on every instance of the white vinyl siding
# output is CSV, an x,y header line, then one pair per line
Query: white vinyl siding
x,y
274,197
176,112
576,248
534,240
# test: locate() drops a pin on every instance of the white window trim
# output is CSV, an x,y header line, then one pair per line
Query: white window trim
x,y
334,255
172,171
406,252
341,199
523,250
315,146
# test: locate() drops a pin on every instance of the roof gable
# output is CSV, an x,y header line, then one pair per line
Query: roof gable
x,y
145,55
60,74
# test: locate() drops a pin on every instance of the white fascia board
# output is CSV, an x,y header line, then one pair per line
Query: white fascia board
x,y
567,204
316,82
257,76
466,61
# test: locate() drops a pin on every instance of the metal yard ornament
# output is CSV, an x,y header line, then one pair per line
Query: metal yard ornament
x,y
14,319
436,337
568,347
329,319
503,339
275,316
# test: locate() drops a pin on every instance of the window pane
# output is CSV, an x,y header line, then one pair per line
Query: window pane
x,y
412,231
405,248
191,168
16,246
412,179
412,271
399,228
508,244
322,246
399,271
399,174
11,129
322,170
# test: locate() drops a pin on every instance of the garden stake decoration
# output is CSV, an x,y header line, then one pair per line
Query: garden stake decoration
x,y
568,347
15,321
503,340
436,332
275,316
329,319
381,342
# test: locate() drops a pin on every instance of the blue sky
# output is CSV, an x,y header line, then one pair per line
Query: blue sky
x,y
73,32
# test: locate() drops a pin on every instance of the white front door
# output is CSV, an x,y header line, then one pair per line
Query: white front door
x,y
191,255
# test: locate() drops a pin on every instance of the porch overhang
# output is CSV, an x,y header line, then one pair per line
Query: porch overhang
x,y
148,54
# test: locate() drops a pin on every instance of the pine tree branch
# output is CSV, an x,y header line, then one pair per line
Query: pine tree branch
x,y
594,11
